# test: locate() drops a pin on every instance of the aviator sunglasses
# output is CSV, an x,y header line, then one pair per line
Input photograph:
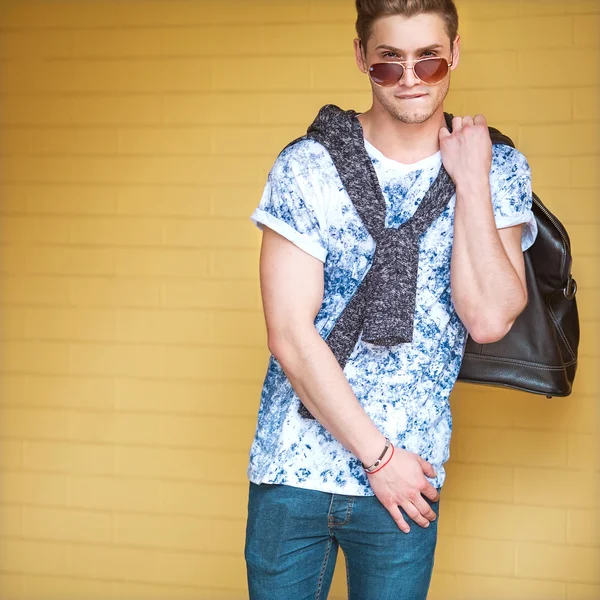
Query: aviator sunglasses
x,y
429,70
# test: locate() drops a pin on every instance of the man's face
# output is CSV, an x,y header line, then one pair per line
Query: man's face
x,y
397,38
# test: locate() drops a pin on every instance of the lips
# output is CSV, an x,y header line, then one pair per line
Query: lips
x,y
412,96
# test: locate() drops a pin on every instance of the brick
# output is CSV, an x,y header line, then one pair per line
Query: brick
x,y
70,324
188,397
508,522
114,292
568,63
24,229
585,103
67,525
587,385
11,454
211,109
215,363
490,70
442,587
588,302
61,588
171,201
584,451
34,356
337,73
130,110
180,533
32,488
183,262
231,264
254,75
125,591
560,563
26,109
556,7
558,488
586,30
245,141
211,233
11,521
192,327
33,291
473,587
12,323
561,200
122,170
117,43
56,391
582,591
69,458
510,447
515,106
68,199
55,141
474,482
584,172
180,12
33,557
482,406
109,562
111,493
584,241
237,203
331,11
122,231
224,295
473,10
186,569
185,463
516,33
475,556
550,171
583,527
214,170
111,359
162,142
560,140
33,423
263,11
585,271
29,169
205,500
108,428
12,586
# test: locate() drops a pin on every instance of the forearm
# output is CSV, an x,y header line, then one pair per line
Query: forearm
x,y
486,289
320,383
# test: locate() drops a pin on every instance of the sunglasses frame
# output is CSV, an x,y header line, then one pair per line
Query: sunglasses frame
x,y
403,64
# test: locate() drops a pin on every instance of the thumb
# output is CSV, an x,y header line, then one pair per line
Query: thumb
x,y
427,468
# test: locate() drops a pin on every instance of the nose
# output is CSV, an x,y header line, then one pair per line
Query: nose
x,y
409,79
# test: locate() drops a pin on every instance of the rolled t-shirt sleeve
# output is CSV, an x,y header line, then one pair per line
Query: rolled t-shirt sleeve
x,y
292,203
510,182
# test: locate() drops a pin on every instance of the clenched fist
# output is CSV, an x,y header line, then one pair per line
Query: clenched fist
x,y
467,151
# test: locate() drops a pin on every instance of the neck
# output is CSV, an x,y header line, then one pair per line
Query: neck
x,y
404,142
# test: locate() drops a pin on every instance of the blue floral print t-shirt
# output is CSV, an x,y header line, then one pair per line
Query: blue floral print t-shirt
x,y
404,389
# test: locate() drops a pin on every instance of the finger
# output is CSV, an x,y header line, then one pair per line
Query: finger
x,y
425,509
467,121
430,492
457,123
398,518
427,467
444,133
413,512
480,120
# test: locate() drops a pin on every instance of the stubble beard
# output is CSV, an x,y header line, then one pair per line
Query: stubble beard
x,y
415,116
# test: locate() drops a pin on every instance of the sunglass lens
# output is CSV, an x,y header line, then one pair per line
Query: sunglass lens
x,y
431,70
386,73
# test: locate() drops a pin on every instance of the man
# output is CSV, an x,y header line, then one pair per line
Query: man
x,y
367,335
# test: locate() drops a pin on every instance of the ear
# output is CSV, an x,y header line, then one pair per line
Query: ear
x,y
360,55
455,53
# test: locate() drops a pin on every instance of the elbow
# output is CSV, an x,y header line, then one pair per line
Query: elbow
x,y
492,329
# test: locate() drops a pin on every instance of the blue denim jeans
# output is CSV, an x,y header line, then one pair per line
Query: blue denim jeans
x,y
293,536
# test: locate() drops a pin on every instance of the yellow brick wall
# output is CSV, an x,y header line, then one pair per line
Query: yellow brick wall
x,y
136,136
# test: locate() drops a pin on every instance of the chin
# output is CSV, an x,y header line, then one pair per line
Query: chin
x,y
411,118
